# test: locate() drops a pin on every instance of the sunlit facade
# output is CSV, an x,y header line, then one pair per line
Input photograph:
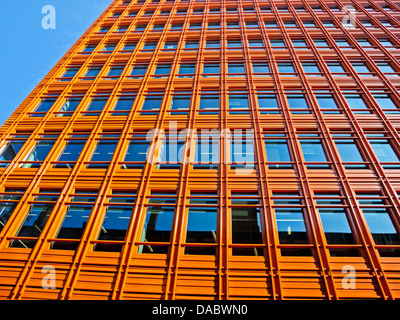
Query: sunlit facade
x,y
207,149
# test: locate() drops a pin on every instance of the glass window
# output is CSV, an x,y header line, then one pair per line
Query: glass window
x,y
277,43
384,150
327,103
334,219
267,103
96,105
211,70
356,103
162,71
9,151
209,104
70,154
157,228
36,219
290,223
286,69
103,154
69,74
386,68
242,151
138,71
186,70
379,220
114,227
297,103
206,155
386,103
277,151
235,69
201,228
152,103
38,154
313,152
72,227
180,104
349,153
136,154
9,200
336,69
238,103
92,73
44,106
171,45
311,69
260,68
124,104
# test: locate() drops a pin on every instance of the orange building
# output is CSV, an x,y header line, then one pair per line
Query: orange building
x,y
202,149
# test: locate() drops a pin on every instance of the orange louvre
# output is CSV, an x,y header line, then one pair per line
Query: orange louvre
x,y
210,150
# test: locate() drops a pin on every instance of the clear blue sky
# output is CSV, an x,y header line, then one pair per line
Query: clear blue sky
x,y
28,51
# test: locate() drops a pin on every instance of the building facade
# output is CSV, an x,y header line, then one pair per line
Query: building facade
x,y
202,149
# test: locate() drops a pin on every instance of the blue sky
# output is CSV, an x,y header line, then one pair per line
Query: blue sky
x,y
29,51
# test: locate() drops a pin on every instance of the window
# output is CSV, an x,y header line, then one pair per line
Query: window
x,y
297,103
114,73
290,224
209,103
242,149
361,69
43,107
234,44
386,103
202,224
9,199
149,46
238,103
108,48
71,151
277,43
70,105
211,70
138,71
10,150
313,151
235,69
170,45
158,223
380,222
356,103
246,224
116,221
69,74
192,45
256,44
277,150
349,152
206,154
336,69
212,45
311,69
321,44
387,69
124,104
335,222
267,102
180,104
297,43
260,69
129,47
104,151
96,105
186,70
92,73
327,103
136,155
36,219
152,103
162,71
170,152
39,152
286,69
385,152
75,218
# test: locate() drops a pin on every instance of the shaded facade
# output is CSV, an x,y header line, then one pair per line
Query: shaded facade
x,y
210,150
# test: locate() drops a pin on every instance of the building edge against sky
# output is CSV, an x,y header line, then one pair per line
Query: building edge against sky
x,y
210,150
